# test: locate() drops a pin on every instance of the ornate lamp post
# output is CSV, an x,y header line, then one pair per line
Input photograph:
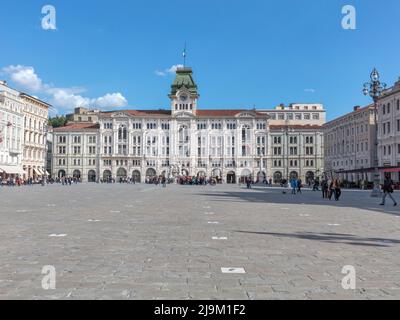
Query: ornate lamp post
x,y
375,89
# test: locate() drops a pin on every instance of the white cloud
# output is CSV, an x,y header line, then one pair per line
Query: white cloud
x,y
160,73
24,77
310,90
171,70
65,99
110,100
71,90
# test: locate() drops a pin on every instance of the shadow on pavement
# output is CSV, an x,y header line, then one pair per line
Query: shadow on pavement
x,y
330,238
275,196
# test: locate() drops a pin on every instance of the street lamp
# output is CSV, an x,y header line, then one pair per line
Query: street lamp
x,y
375,89
286,131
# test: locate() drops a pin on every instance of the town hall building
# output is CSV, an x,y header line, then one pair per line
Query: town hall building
x,y
228,145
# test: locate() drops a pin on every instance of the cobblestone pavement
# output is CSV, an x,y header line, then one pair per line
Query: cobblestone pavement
x,y
146,242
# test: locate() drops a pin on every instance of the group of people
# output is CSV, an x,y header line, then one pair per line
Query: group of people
x,y
196,181
296,185
268,182
331,187
68,181
18,181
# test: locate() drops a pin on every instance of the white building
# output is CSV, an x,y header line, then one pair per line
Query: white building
x,y
11,132
76,152
296,144
297,151
297,114
350,145
185,140
389,131
23,126
36,114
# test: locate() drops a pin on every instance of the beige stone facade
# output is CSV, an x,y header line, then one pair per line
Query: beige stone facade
x,y
350,144
389,129
36,114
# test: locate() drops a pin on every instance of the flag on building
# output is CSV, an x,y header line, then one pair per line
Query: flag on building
x,y
184,56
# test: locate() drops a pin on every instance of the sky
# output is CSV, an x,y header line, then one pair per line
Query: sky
x,y
121,54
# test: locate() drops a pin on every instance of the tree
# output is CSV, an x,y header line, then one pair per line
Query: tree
x,y
58,121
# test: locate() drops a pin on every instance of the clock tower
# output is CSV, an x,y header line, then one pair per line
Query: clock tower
x,y
184,92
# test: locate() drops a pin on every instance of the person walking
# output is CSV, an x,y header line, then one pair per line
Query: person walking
x,y
248,182
324,188
316,185
388,190
336,189
330,189
293,184
299,185
164,182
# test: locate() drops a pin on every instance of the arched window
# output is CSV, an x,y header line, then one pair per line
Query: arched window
x,y
136,176
122,133
61,174
92,176
76,174
183,134
125,133
151,173
294,175
106,175
277,177
121,174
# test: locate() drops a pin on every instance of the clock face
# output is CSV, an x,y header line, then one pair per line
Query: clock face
x,y
184,97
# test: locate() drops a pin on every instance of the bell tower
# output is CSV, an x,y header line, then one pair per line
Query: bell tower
x,y
184,94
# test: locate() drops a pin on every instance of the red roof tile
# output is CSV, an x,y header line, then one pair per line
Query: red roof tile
x,y
297,127
77,127
199,113
139,113
224,113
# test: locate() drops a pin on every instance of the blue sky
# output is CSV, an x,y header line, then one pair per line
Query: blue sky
x,y
244,53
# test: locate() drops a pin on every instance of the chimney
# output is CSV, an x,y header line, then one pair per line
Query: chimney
x,y
356,108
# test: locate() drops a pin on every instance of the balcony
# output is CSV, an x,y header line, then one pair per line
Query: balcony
x,y
14,151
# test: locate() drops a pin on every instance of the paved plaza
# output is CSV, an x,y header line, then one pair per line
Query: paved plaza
x,y
147,242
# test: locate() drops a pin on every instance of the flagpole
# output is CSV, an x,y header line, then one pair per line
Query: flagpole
x,y
184,56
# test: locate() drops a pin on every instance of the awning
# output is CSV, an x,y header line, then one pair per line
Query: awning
x,y
47,173
389,170
12,169
40,171
371,170
37,172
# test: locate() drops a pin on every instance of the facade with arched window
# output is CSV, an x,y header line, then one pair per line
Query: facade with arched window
x,y
16,111
181,140
349,143
35,141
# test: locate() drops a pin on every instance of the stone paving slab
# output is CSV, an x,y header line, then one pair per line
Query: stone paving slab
x,y
147,242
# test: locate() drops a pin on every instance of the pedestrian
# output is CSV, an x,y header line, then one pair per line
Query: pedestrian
x,y
316,185
164,182
324,188
388,190
299,185
330,189
336,189
248,183
293,184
